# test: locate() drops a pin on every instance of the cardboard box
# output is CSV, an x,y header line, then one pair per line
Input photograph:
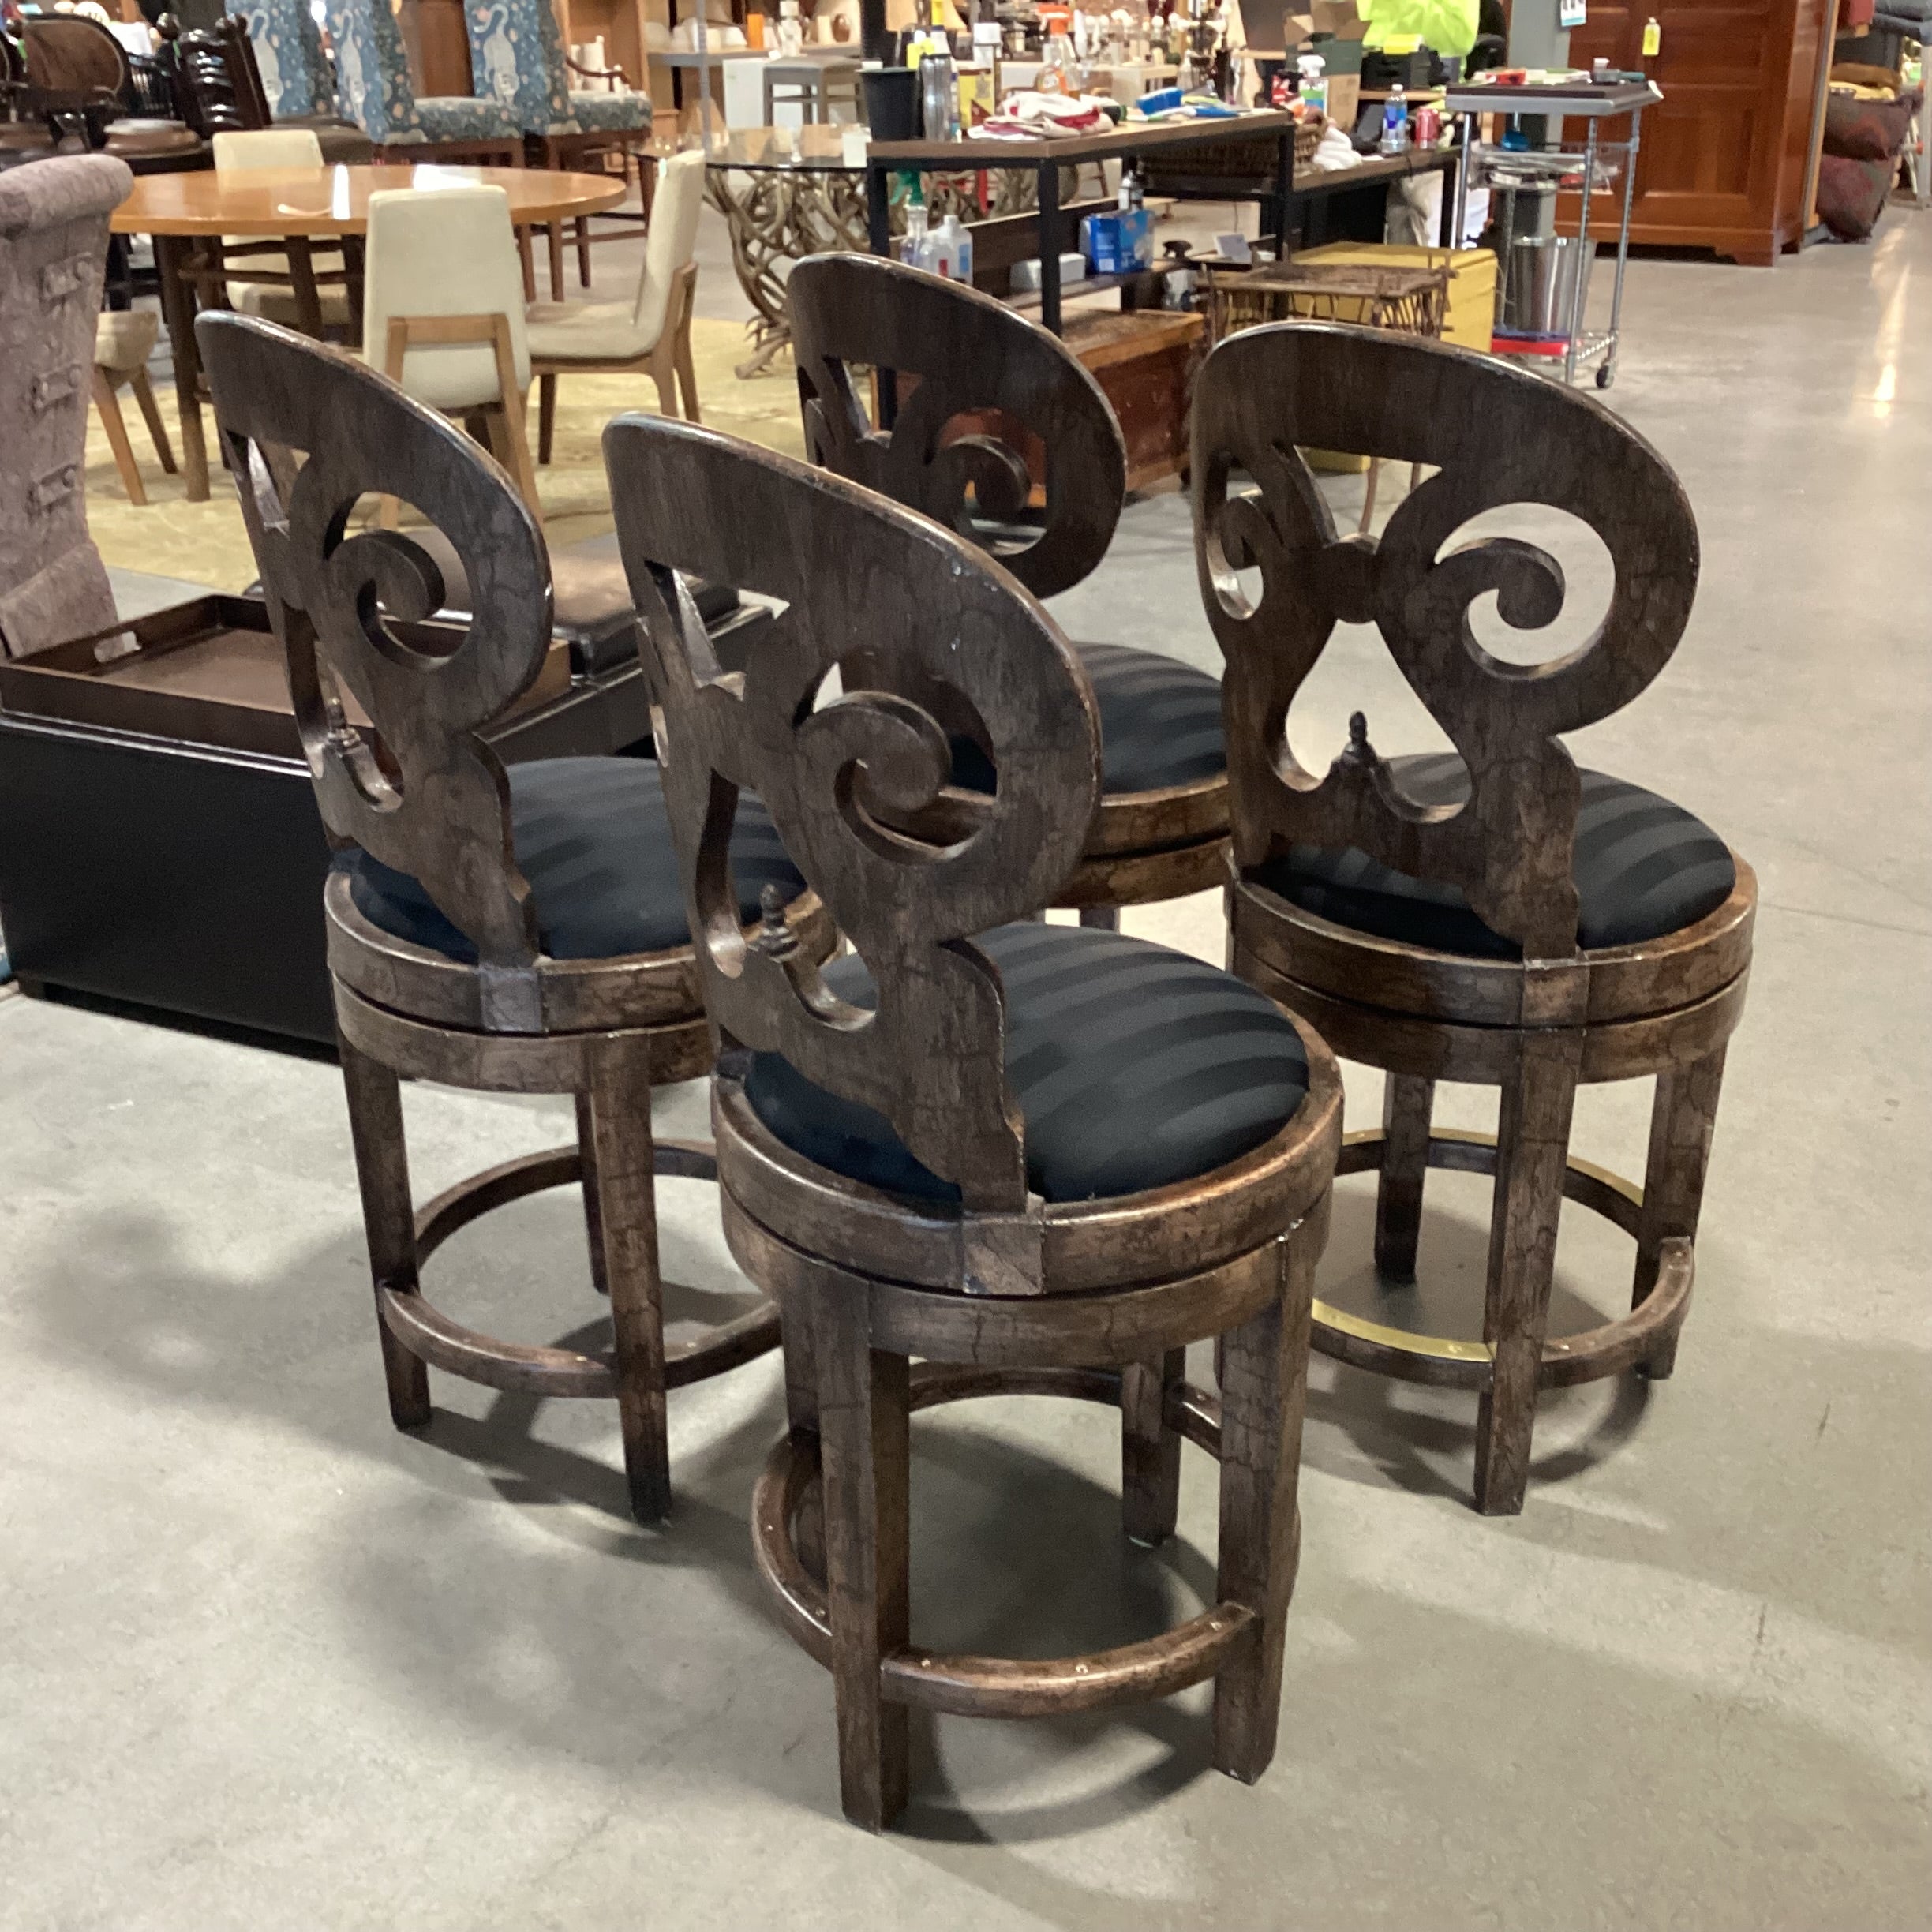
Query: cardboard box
x,y
1120,243
1339,17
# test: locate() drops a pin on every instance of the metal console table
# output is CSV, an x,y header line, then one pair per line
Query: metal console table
x,y
1592,102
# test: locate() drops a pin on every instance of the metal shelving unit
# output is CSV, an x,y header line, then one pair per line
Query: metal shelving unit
x,y
1591,103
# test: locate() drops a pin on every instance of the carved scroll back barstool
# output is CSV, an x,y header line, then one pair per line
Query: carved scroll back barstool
x,y
518,931
1016,1151
991,384
1493,917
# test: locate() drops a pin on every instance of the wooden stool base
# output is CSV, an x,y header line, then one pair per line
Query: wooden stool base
x,y
521,1368
985,1686
1444,1363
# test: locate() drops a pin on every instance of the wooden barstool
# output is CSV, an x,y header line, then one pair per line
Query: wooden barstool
x,y
1496,917
1040,1158
512,932
995,390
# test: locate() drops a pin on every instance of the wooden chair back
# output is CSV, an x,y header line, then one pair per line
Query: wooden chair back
x,y
217,81
307,433
69,53
993,389
1497,436
840,770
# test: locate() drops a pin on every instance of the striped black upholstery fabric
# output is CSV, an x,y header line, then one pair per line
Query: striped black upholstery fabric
x,y
1132,1067
1644,868
593,839
1160,723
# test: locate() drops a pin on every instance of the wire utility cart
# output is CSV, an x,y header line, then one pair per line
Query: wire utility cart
x,y
1591,103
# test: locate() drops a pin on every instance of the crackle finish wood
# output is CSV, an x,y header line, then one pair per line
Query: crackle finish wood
x,y
1535,1027
309,434
1017,385
1002,1294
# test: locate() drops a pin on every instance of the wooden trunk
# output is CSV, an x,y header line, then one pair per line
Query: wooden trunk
x,y
1725,156
1145,360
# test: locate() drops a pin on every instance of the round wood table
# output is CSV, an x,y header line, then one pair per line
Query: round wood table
x,y
298,206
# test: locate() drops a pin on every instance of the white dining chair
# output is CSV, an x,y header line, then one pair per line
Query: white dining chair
x,y
237,151
442,311
651,331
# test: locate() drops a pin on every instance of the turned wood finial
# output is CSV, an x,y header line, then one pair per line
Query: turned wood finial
x,y
1359,751
774,938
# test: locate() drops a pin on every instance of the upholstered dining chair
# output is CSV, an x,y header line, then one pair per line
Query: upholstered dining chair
x,y
373,88
123,341
1493,915
443,311
1041,1159
651,331
509,931
53,259
994,391
289,281
517,58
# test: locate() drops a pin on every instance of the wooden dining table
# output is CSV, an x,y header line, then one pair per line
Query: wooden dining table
x,y
186,213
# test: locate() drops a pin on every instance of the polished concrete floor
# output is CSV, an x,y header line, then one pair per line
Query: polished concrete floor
x,y
264,1662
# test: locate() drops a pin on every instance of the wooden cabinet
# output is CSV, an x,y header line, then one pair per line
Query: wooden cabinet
x,y
1725,155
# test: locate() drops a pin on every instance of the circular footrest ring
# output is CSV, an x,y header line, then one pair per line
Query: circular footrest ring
x,y
986,1686
1445,1362
529,1368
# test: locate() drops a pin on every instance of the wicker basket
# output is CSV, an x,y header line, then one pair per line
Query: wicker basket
x,y
1409,301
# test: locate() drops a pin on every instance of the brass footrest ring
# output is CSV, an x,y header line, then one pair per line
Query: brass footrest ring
x,y
1444,1362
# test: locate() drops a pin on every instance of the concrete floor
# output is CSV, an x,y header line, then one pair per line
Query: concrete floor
x,y
264,1662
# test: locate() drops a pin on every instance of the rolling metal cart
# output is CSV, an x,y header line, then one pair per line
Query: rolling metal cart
x,y
1592,102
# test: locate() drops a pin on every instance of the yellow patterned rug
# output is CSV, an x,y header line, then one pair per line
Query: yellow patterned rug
x,y
205,543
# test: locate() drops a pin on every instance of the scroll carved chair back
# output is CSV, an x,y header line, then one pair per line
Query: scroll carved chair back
x,y
1499,436
976,357
860,577
309,432
216,80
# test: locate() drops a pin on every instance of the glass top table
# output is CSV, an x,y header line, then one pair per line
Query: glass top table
x,y
814,149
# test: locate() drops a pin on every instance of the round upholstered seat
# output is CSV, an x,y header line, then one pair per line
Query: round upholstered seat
x,y
1160,723
593,839
1644,868
1132,1067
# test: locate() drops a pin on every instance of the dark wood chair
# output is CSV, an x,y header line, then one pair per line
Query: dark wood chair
x,y
1494,915
998,400
219,83
80,83
519,932
1041,1159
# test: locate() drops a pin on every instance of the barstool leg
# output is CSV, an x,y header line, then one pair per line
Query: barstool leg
x,y
375,1099
593,1217
801,1374
1533,1147
1150,1450
1407,1101
1682,1119
620,1153
1263,1392
863,1422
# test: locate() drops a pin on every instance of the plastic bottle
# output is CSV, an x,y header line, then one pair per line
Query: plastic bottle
x,y
1313,71
913,243
953,250
1060,69
1395,121
939,93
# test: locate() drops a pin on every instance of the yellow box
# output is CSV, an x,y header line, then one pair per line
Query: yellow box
x,y
1471,317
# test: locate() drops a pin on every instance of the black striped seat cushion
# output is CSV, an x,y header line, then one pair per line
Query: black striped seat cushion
x,y
593,839
1132,1066
1160,723
1644,868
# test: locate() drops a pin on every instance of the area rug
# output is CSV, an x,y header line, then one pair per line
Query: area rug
x,y
205,543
